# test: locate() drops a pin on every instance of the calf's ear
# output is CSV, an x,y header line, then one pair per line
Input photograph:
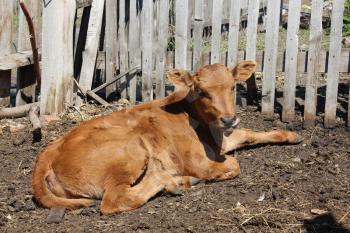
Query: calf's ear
x,y
244,70
180,77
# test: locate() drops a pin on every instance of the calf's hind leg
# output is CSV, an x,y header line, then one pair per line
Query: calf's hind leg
x,y
119,198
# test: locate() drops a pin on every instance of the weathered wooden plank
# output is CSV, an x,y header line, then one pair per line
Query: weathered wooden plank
x,y
271,46
91,46
163,19
292,43
26,80
6,14
134,48
123,47
181,14
83,3
253,13
216,31
15,60
349,110
147,37
57,56
111,43
233,35
333,63
197,33
313,62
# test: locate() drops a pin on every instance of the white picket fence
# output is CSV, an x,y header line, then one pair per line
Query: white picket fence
x,y
146,30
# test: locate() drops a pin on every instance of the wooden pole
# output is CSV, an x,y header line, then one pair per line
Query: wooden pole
x,y
57,56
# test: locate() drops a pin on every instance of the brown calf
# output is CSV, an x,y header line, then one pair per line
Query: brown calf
x,y
127,157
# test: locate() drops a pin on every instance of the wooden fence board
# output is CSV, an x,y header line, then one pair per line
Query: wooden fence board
x,y
271,46
333,67
26,81
181,14
111,43
197,34
349,109
233,35
146,34
292,43
252,27
123,48
313,63
216,31
134,51
162,47
57,56
6,14
91,46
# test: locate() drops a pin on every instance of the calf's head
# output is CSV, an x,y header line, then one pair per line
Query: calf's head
x,y
211,92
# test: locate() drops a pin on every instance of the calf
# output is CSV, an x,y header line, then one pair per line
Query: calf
x,y
127,157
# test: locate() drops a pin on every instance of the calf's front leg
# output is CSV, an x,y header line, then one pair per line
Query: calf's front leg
x,y
245,137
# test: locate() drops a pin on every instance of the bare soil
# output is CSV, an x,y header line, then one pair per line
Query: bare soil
x,y
282,188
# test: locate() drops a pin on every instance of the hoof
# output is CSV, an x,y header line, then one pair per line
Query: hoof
x,y
176,192
194,181
298,139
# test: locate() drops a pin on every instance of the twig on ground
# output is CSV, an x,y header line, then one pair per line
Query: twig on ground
x,y
32,42
34,119
344,216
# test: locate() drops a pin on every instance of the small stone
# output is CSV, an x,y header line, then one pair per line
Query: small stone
x,y
151,212
47,119
318,211
16,128
296,159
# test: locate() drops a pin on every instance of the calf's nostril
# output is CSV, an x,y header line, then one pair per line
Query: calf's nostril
x,y
227,121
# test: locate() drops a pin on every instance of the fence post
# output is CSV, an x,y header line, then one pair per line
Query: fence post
x,y
252,27
26,82
111,43
147,36
163,23
313,63
123,48
216,31
57,55
6,14
181,14
292,43
270,61
197,34
134,45
233,34
91,46
333,63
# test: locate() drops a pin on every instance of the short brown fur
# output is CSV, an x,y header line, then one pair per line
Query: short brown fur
x,y
127,157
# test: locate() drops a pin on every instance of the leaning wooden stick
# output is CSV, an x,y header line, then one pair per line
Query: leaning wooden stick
x,y
32,42
34,119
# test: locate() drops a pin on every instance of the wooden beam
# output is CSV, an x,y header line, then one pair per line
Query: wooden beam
x,y
162,42
123,48
271,47
181,11
57,56
91,46
111,43
216,31
197,34
313,63
292,43
134,48
147,46
333,67
252,27
6,14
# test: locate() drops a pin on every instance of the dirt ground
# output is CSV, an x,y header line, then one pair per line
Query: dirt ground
x,y
282,188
